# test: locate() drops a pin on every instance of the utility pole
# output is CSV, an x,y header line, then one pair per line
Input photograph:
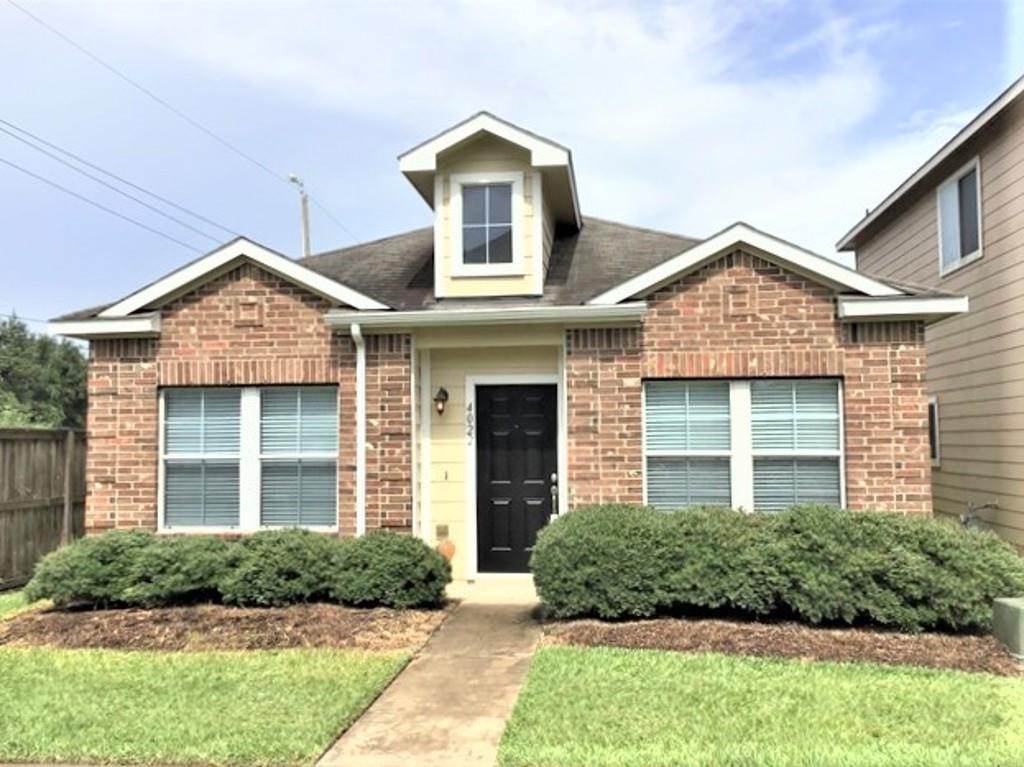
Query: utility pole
x,y
304,203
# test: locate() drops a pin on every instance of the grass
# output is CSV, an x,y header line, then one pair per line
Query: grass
x,y
11,602
243,708
603,707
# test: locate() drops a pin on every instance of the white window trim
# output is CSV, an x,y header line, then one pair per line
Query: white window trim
x,y
933,401
458,268
249,459
741,452
970,258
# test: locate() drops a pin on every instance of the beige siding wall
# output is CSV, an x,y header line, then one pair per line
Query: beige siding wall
x,y
976,361
487,154
446,358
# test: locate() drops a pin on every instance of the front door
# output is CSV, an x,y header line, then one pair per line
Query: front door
x,y
516,465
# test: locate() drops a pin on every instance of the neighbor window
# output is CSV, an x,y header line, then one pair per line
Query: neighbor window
x,y
487,224
960,218
764,444
933,429
245,458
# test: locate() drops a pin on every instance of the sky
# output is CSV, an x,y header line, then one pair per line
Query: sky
x,y
794,116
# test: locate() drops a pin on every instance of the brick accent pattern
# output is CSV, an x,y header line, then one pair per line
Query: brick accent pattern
x,y
245,327
389,432
743,317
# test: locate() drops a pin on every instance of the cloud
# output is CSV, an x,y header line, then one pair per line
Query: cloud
x,y
672,119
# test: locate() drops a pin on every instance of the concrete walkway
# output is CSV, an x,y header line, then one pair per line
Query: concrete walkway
x,y
450,704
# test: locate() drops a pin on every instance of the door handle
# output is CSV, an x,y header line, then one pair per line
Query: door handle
x,y
554,493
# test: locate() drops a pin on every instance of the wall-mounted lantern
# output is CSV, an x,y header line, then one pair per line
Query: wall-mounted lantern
x,y
440,399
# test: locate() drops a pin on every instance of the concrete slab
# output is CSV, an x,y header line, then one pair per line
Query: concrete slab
x,y
497,590
450,704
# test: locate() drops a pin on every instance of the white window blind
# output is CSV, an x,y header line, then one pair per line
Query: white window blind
x,y
283,448
688,443
795,441
784,447
201,449
298,444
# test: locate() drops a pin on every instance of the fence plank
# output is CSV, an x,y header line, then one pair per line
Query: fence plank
x,y
42,477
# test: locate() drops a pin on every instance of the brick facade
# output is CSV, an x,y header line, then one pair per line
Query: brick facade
x,y
743,317
245,327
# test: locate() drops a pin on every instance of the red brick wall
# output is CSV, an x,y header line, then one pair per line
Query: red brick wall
x,y
246,327
389,432
742,317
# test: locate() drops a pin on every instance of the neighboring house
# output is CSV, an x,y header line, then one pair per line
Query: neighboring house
x,y
957,225
465,382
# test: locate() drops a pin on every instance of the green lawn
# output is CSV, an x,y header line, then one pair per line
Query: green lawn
x,y
243,708
11,601
602,707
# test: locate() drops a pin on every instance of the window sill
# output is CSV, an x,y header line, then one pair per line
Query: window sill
x,y
963,262
500,270
241,530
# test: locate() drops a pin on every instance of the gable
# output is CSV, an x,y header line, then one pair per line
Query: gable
x,y
772,249
224,259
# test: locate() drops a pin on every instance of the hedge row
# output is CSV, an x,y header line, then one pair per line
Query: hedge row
x,y
272,568
816,564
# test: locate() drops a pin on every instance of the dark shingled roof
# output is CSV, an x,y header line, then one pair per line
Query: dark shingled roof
x,y
399,270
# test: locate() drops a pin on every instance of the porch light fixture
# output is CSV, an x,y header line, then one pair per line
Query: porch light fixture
x,y
440,399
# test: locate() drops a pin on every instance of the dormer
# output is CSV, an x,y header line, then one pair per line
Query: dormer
x,y
498,192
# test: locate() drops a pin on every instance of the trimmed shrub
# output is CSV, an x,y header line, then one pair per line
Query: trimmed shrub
x,y
818,564
91,571
178,570
611,561
281,567
720,558
392,570
891,570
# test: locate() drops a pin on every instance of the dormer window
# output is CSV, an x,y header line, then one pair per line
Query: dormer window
x,y
487,224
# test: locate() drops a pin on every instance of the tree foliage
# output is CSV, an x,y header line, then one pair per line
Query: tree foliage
x,y
42,379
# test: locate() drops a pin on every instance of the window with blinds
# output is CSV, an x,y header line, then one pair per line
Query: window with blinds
x,y
688,443
298,455
795,442
245,458
201,457
762,444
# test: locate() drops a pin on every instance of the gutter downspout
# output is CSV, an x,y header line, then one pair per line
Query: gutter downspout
x,y
360,342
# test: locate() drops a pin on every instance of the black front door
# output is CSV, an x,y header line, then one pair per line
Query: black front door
x,y
516,461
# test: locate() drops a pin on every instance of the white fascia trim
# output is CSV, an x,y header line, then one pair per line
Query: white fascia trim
x,y
241,248
139,325
517,315
458,267
736,235
905,307
965,135
424,156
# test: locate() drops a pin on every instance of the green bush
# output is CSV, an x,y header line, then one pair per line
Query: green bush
x,y
392,570
179,570
281,567
93,571
892,570
611,561
818,564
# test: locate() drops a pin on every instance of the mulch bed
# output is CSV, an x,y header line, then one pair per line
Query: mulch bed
x,y
791,640
214,627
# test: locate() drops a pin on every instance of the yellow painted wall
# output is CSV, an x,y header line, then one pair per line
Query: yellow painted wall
x,y
486,154
448,432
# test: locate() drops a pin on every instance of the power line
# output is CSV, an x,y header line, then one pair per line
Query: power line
x,y
283,178
95,204
121,179
22,317
111,187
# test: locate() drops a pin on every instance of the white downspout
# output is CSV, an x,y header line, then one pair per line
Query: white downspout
x,y
360,342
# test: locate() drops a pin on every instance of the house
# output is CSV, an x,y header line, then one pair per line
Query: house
x,y
957,225
466,381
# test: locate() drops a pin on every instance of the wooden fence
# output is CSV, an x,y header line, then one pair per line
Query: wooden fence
x,y
42,497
